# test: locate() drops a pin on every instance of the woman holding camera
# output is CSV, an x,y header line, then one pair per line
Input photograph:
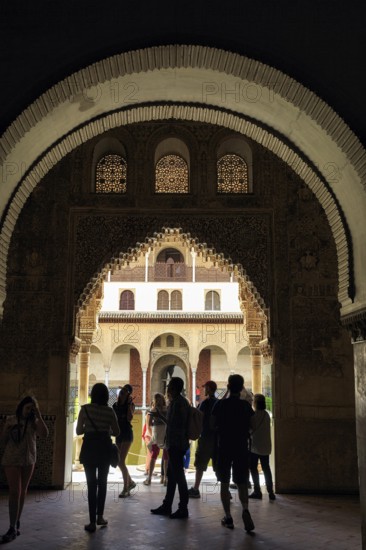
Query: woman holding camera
x,y
19,458
124,409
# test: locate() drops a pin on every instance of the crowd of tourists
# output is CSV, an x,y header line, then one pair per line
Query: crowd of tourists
x,y
234,437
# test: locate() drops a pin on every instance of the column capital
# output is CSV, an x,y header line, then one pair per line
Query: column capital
x,y
355,323
266,350
254,342
74,348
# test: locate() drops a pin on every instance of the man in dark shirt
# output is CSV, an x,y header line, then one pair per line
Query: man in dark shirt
x,y
177,444
206,445
231,418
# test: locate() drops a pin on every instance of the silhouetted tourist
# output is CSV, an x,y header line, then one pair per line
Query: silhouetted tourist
x,y
247,395
177,444
97,422
20,455
156,429
261,447
206,445
124,409
231,417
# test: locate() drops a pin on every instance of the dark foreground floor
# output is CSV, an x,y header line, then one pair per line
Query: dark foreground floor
x,y
55,520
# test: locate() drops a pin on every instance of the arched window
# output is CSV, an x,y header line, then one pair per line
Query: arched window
x,y
212,301
163,300
170,265
157,342
111,175
171,175
170,341
182,343
170,253
232,174
176,300
127,300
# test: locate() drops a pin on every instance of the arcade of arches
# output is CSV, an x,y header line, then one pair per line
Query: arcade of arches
x,y
274,238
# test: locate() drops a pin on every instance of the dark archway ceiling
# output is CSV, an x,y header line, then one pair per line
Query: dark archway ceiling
x,y
320,44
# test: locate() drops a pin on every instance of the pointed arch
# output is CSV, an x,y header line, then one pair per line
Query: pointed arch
x,y
194,76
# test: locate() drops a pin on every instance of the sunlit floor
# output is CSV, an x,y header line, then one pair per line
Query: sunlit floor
x,y
55,520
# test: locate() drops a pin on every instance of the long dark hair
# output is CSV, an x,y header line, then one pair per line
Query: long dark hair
x,y
17,433
24,401
99,394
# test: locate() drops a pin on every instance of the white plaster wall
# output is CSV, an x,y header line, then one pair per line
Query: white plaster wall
x,y
96,365
193,295
120,366
244,367
219,367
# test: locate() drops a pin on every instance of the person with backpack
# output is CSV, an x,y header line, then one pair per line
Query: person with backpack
x,y
206,445
177,443
232,419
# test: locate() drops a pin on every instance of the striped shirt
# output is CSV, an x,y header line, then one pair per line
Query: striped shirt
x,y
103,416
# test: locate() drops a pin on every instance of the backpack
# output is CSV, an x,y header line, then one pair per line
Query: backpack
x,y
195,423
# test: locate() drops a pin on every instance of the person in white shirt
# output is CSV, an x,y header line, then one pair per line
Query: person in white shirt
x,y
261,447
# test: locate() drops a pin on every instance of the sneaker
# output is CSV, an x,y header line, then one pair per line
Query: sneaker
x,y
125,493
9,535
180,514
147,482
132,485
271,496
101,521
194,493
248,522
256,494
227,522
161,511
90,527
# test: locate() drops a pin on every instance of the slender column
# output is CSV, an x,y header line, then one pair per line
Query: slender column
x,y
256,358
194,371
144,388
147,265
193,254
84,373
107,369
84,361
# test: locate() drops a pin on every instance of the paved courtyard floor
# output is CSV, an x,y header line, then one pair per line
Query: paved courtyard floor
x,y
55,520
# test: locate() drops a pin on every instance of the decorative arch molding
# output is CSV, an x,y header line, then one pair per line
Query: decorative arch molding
x,y
198,84
185,112
256,313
